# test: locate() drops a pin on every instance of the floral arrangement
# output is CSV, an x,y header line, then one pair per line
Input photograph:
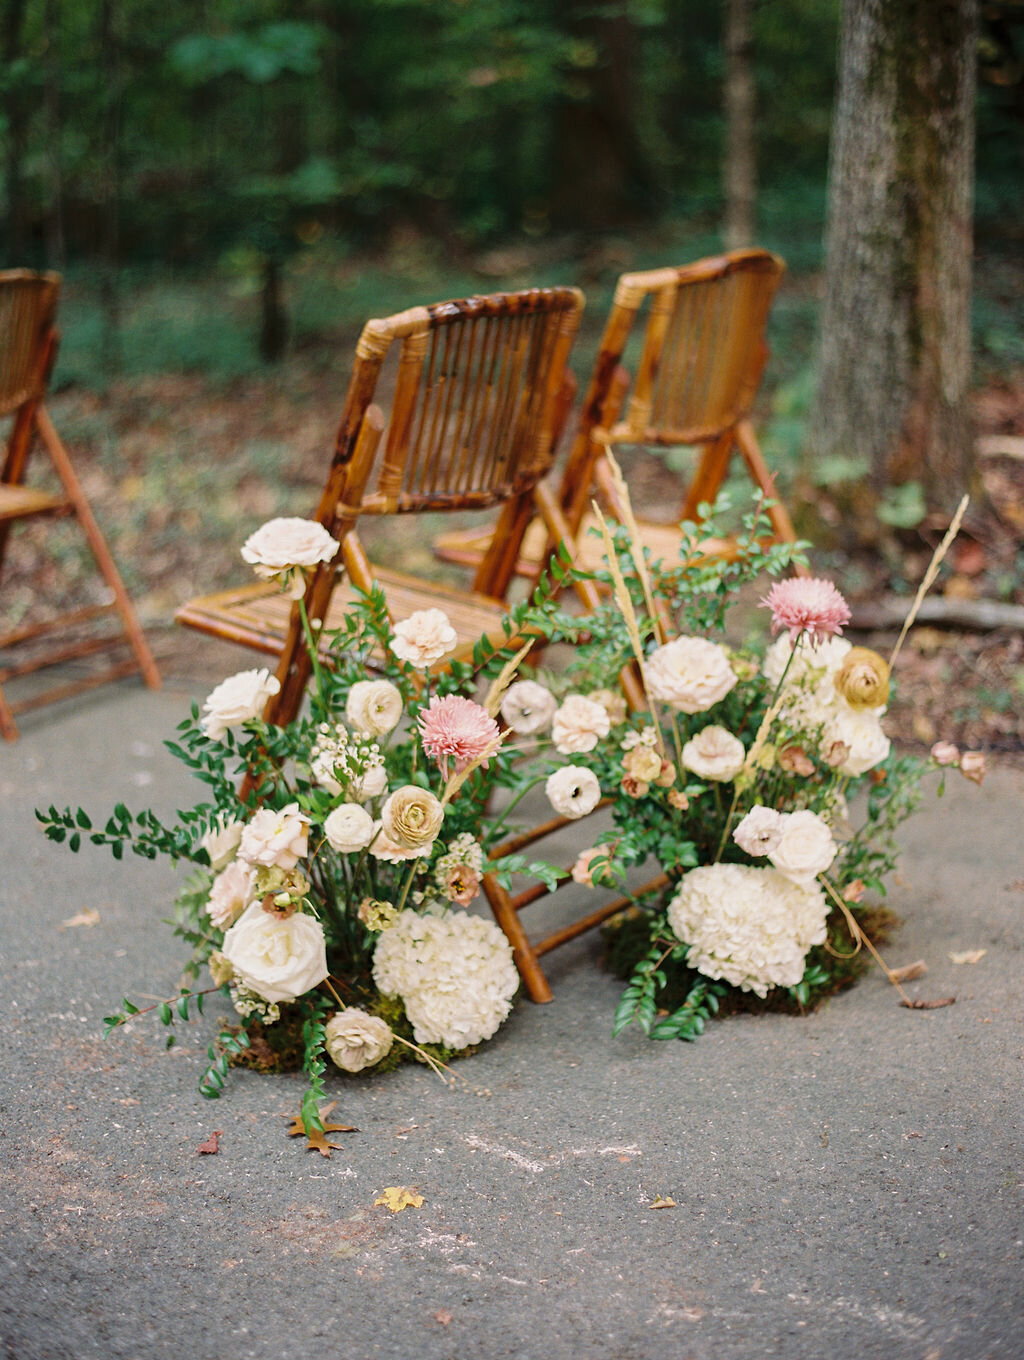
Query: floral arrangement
x,y
328,901
758,776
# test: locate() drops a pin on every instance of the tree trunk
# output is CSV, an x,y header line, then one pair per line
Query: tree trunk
x,y
54,127
16,111
894,366
740,160
110,188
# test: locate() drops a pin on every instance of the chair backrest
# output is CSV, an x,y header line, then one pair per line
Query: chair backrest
x,y
28,310
703,353
472,417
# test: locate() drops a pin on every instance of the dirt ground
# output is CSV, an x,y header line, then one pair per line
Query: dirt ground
x,y
181,468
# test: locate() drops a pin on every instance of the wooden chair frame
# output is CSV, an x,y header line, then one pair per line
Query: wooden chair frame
x,y
702,358
479,389
28,350
507,907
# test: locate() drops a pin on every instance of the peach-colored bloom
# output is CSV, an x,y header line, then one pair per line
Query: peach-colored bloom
x,y
423,638
581,872
945,753
578,725
972,766
807,605
795,760
459,730
461,884
275,839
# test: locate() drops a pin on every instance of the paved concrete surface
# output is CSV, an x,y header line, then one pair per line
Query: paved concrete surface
x,y
847,1185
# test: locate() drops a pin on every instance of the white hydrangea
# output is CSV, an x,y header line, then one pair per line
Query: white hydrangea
x,y
454,973
748,925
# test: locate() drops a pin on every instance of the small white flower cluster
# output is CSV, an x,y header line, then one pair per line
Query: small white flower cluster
x,y
751,927
850,739
454,973
463,851
341,763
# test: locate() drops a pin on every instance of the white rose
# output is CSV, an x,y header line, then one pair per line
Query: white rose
x,y
861,733
373,706
356,1040
370,784
285,548
277,957
573,791
423,638
221,842
579,725
714,753
230,894
275,838
528,707
805,847
759,831
689,674
348,828
236,700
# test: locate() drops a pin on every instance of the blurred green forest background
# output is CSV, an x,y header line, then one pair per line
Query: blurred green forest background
x,y
217,178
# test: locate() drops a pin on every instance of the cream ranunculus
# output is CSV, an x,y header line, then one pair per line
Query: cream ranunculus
x,y
275,838
277,957
528,707
287,548
412,817
230,894
371,783
348,828
759,831
573,791
374,706
714,753
689,674
578,725
221,842
356,1040
805,847
237,700
423,638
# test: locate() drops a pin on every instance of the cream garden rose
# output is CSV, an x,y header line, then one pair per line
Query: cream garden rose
x,y
423,638
275,839
689,674
805,847
578,725
348,828
374,706
356,1040
573,791
284,549
412,817
715,754
759,831
277,957
237,700
230,894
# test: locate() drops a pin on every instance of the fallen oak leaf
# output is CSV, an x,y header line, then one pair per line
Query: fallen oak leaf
x,y
211,1145
928,1005
969,956
663,1202
397,1197
88,916
318,1138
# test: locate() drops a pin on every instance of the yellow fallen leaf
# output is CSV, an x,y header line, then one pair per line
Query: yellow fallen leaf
x,y
969,956
397,1197
89,916
663,1202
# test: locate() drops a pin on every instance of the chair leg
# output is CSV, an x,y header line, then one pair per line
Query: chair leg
x,y
778,514
710,474
8,727
98,544
522,951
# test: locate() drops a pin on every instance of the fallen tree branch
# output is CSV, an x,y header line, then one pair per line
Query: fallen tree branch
x,y
889,611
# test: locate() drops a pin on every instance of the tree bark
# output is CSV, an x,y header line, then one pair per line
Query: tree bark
x,y
894,365
740,159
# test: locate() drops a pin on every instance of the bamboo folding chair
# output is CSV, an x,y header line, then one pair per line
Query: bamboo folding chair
x,y
28,348
702,355
478,387
507,907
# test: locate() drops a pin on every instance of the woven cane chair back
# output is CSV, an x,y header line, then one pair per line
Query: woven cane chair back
x,y
28,309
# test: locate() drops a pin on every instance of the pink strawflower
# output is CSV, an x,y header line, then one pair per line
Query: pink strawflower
x,y
454,728
807,605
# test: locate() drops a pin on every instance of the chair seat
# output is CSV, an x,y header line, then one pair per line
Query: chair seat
x,y
467,546
22,502
257,615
